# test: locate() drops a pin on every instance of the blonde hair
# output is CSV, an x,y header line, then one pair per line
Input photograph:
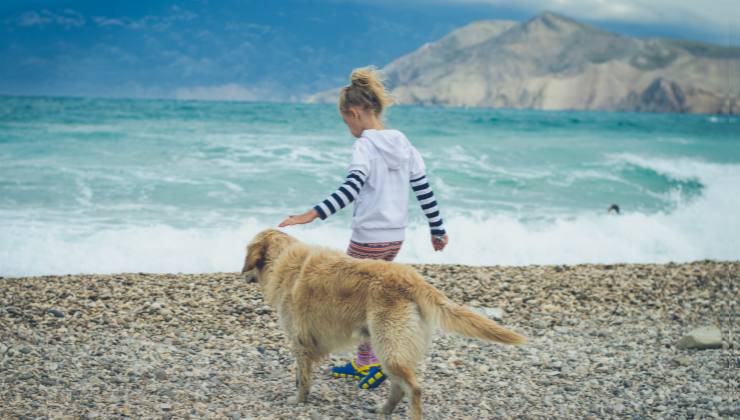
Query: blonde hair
x,y
365,91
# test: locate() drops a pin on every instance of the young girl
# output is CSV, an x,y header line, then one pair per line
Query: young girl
x,y
384,164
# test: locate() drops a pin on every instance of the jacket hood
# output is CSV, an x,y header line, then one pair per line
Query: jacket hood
x,y
391,145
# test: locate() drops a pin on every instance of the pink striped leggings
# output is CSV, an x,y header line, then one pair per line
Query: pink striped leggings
x,y
374,251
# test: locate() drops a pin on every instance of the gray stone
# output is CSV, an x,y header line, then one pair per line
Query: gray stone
x,y
13,311
56,312
708,337
262,310
493,313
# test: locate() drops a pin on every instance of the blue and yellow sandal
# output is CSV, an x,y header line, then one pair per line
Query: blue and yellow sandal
x,y
373,378
350,371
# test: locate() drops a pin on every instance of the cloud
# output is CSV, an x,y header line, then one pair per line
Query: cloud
x,y
67,18
159,23
248,27
227,92
719,18
104,21
713,16
192,66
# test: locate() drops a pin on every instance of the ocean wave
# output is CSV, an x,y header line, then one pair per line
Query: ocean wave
x,y
724,119
83,128
677,168
184,191
697,227
704,228
569,178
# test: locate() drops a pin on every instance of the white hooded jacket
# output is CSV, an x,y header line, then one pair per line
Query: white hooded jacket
x,y
384,165
389,162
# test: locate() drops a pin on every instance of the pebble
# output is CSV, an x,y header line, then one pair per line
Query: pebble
x,y
493,313
601,345
702,338
13,311
57,313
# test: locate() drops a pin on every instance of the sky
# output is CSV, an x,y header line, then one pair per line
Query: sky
x,y
277,50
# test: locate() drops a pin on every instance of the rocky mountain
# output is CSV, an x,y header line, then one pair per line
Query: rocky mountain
x,y
553,62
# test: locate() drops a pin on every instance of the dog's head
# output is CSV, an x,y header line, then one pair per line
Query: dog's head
x,y
264,246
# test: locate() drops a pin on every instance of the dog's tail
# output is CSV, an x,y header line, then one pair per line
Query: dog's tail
x,y
460,320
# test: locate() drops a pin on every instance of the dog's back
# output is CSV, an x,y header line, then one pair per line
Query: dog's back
x,y
332,288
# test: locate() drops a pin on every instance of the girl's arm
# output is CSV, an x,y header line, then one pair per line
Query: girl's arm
x,y
339,199
428,204
300,219
425,195
345,194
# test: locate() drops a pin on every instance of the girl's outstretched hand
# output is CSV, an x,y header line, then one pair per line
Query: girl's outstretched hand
x,y
300,219
439,243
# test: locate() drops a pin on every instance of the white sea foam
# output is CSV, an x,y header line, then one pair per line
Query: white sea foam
x,y
568,179
51,248
705,227
726,119
82,128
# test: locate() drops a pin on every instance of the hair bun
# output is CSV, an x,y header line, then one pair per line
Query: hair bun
x,y
370,80
364,77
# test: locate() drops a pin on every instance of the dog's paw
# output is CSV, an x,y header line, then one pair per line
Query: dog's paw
x,y
380,409
295,400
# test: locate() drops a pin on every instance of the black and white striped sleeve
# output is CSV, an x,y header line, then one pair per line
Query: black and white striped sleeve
x,y
345,194
428,204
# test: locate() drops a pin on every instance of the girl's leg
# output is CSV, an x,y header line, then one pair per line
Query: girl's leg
x,y
365,355
376,251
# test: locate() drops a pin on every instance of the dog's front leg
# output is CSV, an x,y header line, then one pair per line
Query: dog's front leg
x,y
303,378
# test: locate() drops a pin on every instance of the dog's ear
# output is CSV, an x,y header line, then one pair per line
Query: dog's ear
x,y
256,254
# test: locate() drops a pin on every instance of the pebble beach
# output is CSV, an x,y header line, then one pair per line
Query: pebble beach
x,y
602,344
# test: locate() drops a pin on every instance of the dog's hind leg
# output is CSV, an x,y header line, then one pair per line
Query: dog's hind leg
x,y
403,380
394,398
304,363
303,380
400,339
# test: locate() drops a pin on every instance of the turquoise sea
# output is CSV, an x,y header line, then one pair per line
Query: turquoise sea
x,y
112,185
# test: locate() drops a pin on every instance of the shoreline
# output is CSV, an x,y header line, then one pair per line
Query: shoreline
x,y
418,266
601,345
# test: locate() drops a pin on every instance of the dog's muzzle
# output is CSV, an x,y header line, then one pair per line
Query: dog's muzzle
x,y
250,276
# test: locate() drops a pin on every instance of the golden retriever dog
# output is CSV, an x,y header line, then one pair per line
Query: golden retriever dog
x,y
327,301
